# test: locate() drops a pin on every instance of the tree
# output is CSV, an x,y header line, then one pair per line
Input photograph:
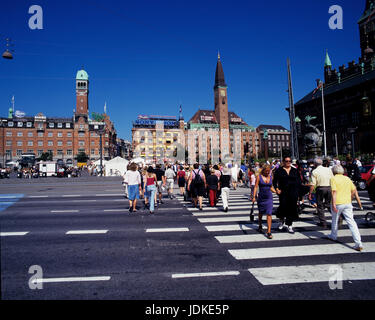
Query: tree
x,y
82,157
46,156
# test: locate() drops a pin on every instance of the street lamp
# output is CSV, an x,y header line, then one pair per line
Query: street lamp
x,y
100,129
352,131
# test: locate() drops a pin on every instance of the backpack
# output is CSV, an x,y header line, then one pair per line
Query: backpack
x,y
197,179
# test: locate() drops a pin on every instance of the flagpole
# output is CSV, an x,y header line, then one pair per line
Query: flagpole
x,y
324,122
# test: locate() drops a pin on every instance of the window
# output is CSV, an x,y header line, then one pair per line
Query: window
x,y
67,125
333,122
69,152
343,119
59,125
19,152
59,143
51,125
50,143
19,134
29,134
81,134
69,134
106,143
355,117
59,134
30,143
19,124
40,152
60,152
29,124
40,126
9,134
8,154
50,134
69,143
19,143
81,127
81,143
9,143
30,151
10,124
92,151
50,151
93,143
40,143
81,150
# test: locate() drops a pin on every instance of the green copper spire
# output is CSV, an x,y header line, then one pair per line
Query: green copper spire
x,y
327,62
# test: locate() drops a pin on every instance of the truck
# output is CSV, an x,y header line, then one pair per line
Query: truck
x,y
47,168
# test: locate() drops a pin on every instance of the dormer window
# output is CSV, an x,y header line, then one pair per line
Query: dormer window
x,y
10,124
19,124
29,124
59,125
51,125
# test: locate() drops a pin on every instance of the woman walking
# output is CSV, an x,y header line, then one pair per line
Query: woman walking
x,y
133,180
252,181
287,182
213,186
181,179
150,188
197,184
225,187
264,198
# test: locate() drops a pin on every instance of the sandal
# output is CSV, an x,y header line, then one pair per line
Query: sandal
x,y
269,235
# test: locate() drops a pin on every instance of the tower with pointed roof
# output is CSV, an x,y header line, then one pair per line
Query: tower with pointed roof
x,y
82,92
327,68
220,94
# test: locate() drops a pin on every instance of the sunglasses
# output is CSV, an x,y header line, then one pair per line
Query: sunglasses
x,y
287,160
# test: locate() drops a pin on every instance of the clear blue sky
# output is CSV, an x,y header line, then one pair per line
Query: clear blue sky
x,y
147,57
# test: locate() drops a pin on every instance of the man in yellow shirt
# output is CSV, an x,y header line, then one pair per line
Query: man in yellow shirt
x,y
343,191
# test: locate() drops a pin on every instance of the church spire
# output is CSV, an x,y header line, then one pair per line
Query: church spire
x,y
219,74
327,62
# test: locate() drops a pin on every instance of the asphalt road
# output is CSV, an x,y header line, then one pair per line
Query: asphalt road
x,y
88,246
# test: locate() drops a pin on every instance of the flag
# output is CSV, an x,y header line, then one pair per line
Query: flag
x,y
317,88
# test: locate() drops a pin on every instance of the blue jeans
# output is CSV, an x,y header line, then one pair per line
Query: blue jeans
x,y
150,194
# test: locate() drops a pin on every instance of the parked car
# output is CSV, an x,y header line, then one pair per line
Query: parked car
x,y
365,175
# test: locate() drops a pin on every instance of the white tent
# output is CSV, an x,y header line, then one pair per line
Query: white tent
x,y
138,160
97,162
116,167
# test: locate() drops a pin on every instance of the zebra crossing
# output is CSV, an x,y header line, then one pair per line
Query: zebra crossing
x,y
241,238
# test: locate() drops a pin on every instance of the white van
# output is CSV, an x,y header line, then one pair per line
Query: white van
x,y
47,168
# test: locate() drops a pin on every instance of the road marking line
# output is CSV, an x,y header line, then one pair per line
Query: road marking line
x,y
109,194
9,234
115,210
312,273
84,200
70,195
297,251
71,279
168,230
215,209
246,218
287,236
205,274
87,232
37,196
59,211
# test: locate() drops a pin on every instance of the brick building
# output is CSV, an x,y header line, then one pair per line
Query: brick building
x,y
278,140
63,137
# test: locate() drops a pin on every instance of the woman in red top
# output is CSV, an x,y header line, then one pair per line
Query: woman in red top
x,y
181,176
150,188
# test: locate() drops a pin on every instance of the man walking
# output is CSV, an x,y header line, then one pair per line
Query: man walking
x,y
343,191
170,175
160,181
321,177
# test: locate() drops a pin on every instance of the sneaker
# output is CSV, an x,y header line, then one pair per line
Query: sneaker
x,y
131,209
226,210
290,229
200,208
281,226
358,248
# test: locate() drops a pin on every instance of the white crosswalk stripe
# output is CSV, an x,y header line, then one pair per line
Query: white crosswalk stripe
x,y
237,234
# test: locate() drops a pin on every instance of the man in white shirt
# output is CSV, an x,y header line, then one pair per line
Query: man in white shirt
x,y
170,175
321,177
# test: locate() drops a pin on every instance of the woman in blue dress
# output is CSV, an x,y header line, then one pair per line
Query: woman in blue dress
x,y
264,198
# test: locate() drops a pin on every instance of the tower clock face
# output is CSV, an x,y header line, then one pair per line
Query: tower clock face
x,y
222,93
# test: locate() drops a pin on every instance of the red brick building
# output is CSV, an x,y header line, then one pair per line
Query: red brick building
x,y
64,137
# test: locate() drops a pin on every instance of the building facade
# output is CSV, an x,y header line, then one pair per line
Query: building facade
x,y
277,142
63,137
349,100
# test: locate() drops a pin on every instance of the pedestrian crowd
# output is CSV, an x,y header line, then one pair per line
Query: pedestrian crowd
x,y
325,184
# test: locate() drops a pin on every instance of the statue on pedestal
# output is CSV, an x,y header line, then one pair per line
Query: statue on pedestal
x,y
313,139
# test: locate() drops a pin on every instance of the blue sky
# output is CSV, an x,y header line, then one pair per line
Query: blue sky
x,y
147,57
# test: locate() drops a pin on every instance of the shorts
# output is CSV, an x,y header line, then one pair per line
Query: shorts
x,y
197,190
170,183
181,182
133,192
160,186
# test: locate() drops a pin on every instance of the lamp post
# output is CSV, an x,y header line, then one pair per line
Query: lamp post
x,y
352,131
100,129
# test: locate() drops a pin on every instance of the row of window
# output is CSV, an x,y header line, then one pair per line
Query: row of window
x,y
50,134
342,119
19,152
29,124
50,143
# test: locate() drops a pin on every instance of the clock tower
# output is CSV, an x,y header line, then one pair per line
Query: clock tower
x,y
220,94
82,92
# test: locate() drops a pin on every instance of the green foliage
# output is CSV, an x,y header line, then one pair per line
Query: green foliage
x,y
82,157
46,156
